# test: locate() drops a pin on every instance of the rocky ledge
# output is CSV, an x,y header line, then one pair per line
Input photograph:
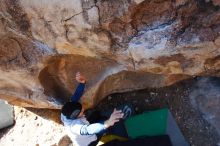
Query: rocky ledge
x,y
120,45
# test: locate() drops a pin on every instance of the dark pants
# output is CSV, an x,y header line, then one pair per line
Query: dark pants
x,y
162,140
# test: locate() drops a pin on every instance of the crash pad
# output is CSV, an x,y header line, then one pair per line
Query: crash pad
x,y
6,114
155,123
149,124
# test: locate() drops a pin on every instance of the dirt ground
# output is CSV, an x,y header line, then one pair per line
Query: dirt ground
x,y
42,127
197,131
33,127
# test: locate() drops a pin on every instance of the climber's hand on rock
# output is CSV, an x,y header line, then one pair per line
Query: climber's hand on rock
x,y
80,78
115,117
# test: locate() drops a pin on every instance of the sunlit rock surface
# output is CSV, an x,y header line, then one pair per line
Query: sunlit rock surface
x,y
34,128
120,45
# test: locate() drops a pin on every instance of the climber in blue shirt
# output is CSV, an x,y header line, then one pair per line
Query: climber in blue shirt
x,y
81,132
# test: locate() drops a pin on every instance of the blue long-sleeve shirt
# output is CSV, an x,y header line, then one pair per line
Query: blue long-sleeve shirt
x,y
78,92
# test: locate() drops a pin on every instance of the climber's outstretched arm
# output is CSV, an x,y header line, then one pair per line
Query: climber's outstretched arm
x,y
80,88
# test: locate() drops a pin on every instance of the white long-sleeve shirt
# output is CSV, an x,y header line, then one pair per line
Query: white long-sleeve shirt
x,y
80,131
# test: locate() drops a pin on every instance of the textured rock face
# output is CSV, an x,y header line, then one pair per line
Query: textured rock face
x,y
206,97
120,45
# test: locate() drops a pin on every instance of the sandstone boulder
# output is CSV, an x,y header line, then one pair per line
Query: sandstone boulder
x,y
120,45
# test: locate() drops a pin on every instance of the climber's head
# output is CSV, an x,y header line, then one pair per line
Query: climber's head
x,y
72,110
